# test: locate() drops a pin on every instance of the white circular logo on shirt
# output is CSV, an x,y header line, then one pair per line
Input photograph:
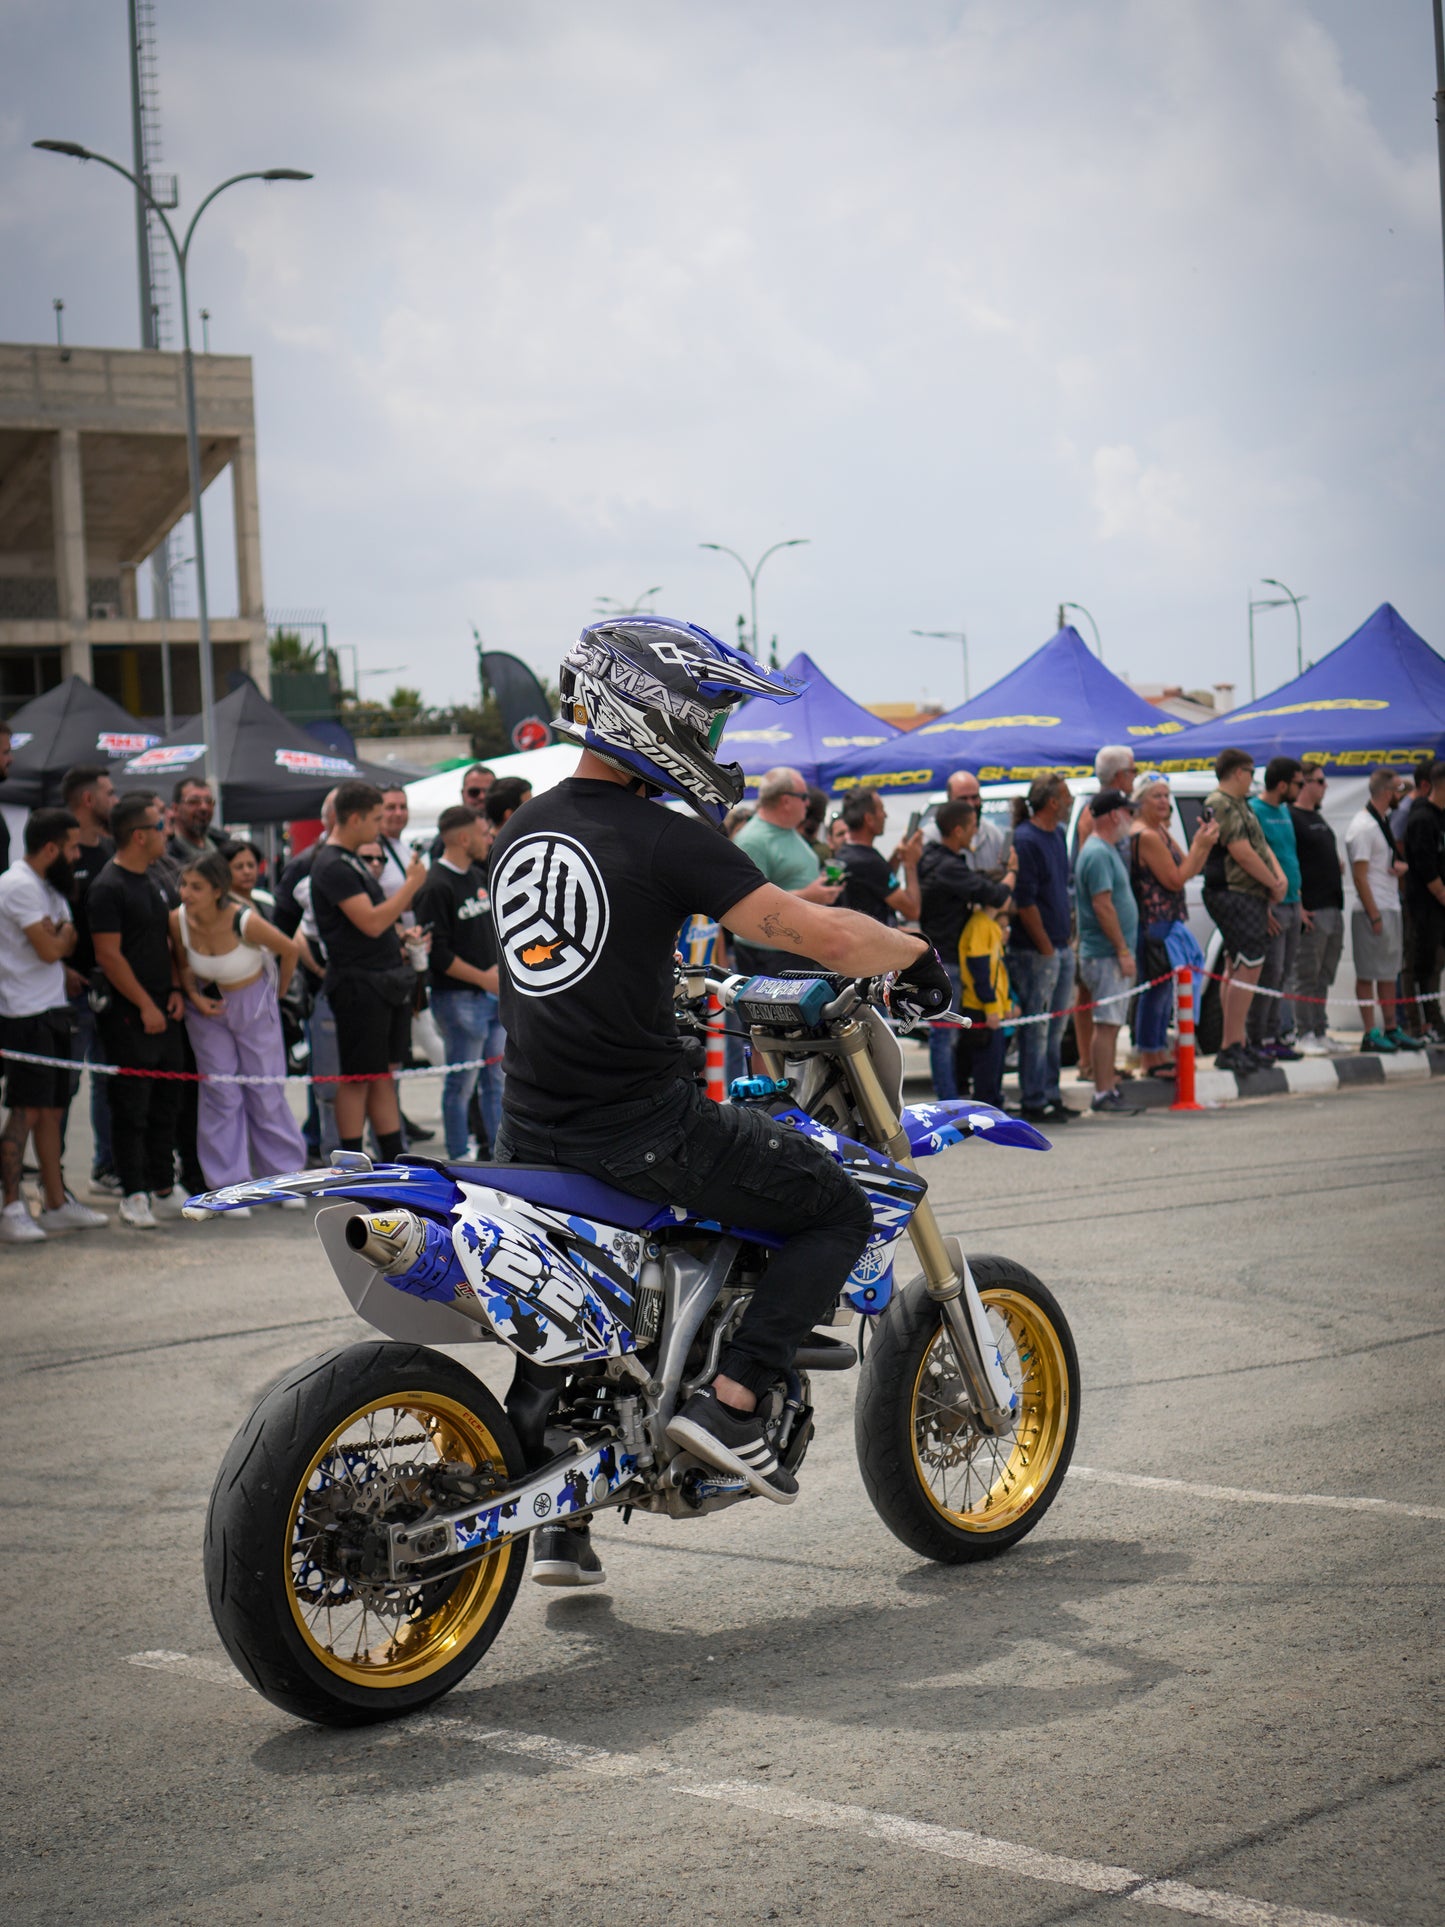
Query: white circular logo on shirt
x,y
551,913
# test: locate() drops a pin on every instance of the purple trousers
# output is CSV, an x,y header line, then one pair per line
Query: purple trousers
x,y
244,1130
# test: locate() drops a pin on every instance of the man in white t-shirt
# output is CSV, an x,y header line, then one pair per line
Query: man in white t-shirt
x,y
37,934
1375,927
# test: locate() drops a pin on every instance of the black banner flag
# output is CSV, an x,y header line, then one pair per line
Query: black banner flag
x,y
520,698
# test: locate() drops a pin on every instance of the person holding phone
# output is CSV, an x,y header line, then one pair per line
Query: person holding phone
x,y
871,885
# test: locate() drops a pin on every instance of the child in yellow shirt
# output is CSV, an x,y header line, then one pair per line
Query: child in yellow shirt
x,y
985,997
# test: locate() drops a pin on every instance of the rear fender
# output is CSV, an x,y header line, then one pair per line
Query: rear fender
x,y
418,1187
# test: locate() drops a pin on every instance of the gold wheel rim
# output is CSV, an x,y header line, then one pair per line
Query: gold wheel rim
x,y
978,1483
388,1637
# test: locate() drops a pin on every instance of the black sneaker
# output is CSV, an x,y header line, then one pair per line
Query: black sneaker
x,y
563,1556
1111,1104
733,1442
417,1133
1057,1112
1237,1058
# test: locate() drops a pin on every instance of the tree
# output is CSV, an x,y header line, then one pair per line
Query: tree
x,y
290,656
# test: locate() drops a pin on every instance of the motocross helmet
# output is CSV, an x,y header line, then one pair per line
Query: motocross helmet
x,y
652,697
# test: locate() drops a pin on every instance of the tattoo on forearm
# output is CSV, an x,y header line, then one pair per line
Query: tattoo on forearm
x,y
773,926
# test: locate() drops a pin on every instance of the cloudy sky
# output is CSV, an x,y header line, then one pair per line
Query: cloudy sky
x,y
998,302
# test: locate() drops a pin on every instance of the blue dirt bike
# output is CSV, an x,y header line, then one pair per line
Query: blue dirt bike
x,y
367,1531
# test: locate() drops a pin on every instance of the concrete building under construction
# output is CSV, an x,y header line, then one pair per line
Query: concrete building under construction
x,y
92,480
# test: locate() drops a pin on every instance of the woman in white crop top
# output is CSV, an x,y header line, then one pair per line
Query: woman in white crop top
x,y
234,1024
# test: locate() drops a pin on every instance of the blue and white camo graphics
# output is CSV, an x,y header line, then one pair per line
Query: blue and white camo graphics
x,y
558,1288
893,1193
933,1127
559,1493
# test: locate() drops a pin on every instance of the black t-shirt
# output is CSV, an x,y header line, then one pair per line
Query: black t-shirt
x,y
1424,851
288,910
867,882
590,886
459,911
1321,887
336,875
4,845
90,860
137,908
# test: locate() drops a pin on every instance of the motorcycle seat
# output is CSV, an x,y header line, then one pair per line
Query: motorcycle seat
x,y
561,1190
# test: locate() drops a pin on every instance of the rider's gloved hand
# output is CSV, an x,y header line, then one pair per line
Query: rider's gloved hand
x,y
924,985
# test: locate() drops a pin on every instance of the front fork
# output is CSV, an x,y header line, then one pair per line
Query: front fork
x,y
946,1271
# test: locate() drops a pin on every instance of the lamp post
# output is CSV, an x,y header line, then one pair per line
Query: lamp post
x,y
180,562
951,635
1276,602
793,542
1092,624
1299,644
181,249
609,608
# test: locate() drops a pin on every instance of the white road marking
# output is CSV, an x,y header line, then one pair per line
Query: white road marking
x,y
950,1843
215,1672
1240,1496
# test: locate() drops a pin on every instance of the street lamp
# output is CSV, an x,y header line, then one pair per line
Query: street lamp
x,y
951,635
1092,624
794,542
182,250
1299,645
1276,602
181,562
610,608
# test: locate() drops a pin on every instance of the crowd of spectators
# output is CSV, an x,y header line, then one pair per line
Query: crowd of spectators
x,y
136,935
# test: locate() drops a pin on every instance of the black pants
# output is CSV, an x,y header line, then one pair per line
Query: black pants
x,y
143,1110
1427,928
737,1165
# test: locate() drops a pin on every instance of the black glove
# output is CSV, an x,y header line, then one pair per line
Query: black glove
x,y
924,985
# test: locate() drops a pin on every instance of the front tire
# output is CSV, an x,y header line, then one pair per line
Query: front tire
x,y
944,1487
341,1442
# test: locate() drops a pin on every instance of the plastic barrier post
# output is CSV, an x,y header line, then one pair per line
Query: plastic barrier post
x,y
716,1052
1184,1098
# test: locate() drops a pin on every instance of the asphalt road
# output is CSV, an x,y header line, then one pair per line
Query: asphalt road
x,y
1185,1693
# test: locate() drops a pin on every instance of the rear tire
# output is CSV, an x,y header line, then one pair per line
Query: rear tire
x,y
941,1485
336,1442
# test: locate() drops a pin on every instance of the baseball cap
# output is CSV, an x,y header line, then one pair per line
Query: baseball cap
x,y
1108,800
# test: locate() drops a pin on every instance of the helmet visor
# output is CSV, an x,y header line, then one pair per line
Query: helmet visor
x,y
716,727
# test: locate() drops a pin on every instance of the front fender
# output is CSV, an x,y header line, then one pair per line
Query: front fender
x,y
933,1127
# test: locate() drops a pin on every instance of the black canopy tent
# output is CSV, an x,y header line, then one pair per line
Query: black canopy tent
x,y
70,724
267,768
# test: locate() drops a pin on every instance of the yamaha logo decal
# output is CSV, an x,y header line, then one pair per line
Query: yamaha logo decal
x,y
551,913
542,1504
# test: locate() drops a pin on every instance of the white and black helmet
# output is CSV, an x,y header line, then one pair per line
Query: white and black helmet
x,y
652,697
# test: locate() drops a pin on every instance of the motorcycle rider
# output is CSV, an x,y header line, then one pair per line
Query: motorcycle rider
x,y
590,883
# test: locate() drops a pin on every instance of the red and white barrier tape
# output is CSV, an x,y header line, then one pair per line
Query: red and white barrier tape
x,y
237,1077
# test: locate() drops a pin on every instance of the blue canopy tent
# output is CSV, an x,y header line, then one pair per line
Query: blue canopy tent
x,y
822,725
1055,711
1378,698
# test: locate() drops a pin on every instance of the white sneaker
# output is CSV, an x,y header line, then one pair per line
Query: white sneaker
x,y
166,1205
240,1211
1312,1047
135,1211
73,1216
17,1227
1337,1048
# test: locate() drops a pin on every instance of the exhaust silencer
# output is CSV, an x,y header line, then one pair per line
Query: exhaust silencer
x,y
414,1254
